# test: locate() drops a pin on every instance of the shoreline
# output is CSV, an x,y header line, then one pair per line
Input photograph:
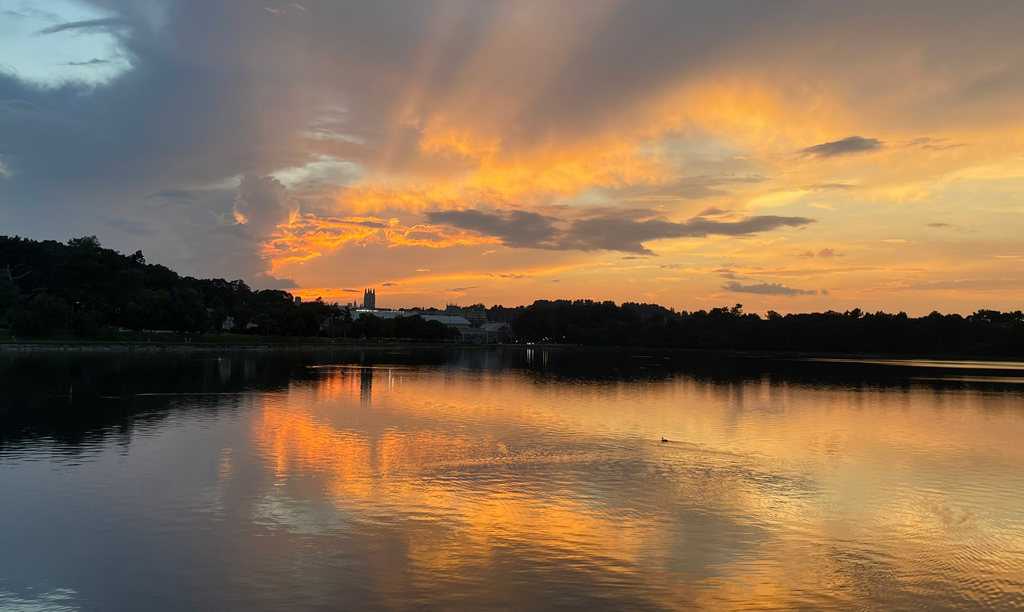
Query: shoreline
x,y
59,346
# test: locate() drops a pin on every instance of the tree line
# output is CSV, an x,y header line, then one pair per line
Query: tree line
x,y
983,333
81,288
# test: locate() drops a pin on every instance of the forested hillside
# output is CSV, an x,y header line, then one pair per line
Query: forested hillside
x,y
83,287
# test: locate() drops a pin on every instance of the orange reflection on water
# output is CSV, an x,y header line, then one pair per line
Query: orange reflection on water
x,y
458,480
768,492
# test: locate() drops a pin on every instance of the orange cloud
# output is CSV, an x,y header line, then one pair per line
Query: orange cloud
x,y
308,237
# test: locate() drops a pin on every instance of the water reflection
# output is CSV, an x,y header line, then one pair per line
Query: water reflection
x,y
529,479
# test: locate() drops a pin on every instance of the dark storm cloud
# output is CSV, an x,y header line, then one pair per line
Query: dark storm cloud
x,y
768,289
846,146
612,231
107,24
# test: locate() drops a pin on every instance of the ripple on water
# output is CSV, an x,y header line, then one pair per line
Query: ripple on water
x,y
468,487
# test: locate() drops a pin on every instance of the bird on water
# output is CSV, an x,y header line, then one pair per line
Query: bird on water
x,y
663,440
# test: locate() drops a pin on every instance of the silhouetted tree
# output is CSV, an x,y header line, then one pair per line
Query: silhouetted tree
x,y
43,314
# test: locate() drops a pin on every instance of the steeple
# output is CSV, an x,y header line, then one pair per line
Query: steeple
x,y
370,299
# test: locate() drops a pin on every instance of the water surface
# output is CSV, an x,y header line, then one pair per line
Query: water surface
x,y
507,480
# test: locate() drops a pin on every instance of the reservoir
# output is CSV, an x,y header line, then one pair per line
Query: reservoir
x,y
523,478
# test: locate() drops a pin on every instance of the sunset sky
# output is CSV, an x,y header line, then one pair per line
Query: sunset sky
x,y
793,156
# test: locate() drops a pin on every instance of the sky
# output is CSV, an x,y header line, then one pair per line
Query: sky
x,y
785,155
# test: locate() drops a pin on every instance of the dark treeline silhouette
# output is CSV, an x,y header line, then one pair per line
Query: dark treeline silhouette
x,y
984,333
82,288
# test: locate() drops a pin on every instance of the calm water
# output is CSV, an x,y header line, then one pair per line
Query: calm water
x,y
507,480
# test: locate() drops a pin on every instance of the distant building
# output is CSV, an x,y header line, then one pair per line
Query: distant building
x,y
476,317
497,331
298,300
370,299
473,335
488,333
454,321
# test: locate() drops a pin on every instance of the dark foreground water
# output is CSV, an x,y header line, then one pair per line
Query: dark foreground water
x,y
507,480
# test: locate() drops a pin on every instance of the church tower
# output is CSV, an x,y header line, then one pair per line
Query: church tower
x,y
370,299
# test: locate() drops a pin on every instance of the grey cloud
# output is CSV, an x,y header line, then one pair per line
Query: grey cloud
x,y
173,194
768,289
617,235
610,232
17,106
209,242
389,285
460,289
93,62
846,146
828,186
689,187
266,281
32,13
284,10
969,284
106,24
729,274
935,144
129,226
264,204
939,225
825,253
515,228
